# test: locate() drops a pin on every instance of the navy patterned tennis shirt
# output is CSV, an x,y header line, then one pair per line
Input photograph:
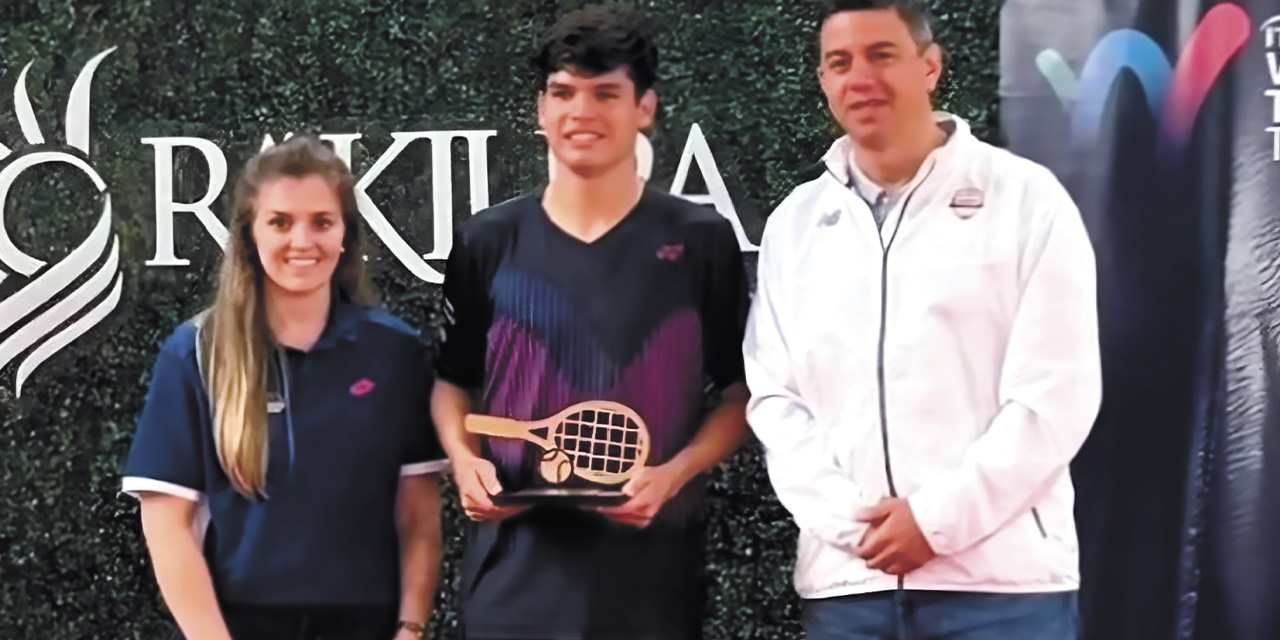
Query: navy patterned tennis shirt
x,y
650,315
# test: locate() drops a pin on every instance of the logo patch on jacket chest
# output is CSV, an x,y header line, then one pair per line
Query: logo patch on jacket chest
x,y
965,202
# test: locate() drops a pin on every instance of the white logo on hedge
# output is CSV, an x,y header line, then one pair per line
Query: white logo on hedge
x,y
696,153
58,303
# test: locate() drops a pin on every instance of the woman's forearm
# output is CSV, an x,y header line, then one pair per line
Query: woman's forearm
x,y
418,518
180,568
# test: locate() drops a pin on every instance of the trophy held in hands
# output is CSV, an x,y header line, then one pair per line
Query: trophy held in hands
x,y
589,451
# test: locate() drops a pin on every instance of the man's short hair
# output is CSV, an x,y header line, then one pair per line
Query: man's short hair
x,y
597,40
912,12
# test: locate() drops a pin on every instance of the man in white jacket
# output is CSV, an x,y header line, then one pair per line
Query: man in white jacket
x,y
923,358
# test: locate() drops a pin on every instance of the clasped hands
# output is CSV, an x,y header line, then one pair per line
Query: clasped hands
x,y
893,542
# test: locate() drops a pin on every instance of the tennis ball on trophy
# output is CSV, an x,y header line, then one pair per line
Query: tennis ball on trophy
x,y
556,466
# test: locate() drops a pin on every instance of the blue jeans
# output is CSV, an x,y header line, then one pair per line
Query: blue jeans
x,y
943,615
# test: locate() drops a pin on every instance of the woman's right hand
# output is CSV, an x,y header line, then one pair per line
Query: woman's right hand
x,y
477,481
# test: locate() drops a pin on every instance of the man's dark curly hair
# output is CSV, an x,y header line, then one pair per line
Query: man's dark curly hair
x,y
597,40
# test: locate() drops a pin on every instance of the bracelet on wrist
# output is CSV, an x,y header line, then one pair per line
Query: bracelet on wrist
x,y
417,628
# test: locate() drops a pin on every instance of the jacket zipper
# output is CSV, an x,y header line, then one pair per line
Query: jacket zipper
x,y
884,307
884,298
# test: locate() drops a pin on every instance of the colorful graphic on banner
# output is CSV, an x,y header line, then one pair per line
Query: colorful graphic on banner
x,y
1163,119
1175,94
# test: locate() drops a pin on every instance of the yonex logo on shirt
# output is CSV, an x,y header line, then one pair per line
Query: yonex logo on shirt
x,y
670,252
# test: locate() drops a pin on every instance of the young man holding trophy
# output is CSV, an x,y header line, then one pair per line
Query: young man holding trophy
x,y
591,373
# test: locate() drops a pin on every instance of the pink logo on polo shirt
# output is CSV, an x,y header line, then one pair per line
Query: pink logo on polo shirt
x,y
362,387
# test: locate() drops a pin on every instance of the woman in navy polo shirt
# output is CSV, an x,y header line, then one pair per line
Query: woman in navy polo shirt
x,y
285,460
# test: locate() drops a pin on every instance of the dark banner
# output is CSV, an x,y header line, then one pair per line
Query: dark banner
x,y
1163,119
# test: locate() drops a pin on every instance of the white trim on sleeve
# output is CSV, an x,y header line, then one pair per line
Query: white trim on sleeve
x,y
133,486
424,468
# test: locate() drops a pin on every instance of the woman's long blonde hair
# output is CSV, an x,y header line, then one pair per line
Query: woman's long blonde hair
x,y
236,343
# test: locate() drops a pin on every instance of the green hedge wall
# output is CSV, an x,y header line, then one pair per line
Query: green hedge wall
x,y
72,561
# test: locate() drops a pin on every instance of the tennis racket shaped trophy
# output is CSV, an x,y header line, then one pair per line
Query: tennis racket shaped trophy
x,y
589,451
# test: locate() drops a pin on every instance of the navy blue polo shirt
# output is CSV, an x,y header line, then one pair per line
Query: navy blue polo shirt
x,y
346,420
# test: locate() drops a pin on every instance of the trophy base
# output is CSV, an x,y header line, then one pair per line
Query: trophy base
x,y
561,497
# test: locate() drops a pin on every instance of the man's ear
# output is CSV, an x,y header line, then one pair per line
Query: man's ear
x,y
648,106
542,110
934,62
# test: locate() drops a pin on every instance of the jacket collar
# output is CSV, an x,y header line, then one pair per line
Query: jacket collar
x,y
836,160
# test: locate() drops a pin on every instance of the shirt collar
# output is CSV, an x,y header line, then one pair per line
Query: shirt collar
x,y
870,190
344,320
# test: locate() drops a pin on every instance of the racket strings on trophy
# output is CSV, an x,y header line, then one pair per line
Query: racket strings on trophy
x,y
605,443
602,441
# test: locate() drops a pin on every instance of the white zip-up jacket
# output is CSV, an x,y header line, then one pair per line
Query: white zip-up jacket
x,y
950,357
